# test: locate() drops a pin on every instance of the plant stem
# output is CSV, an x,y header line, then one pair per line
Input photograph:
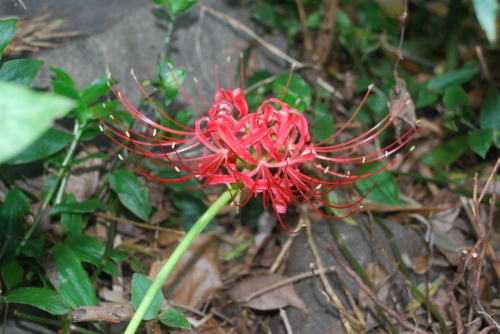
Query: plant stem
x,y
174,258
60,176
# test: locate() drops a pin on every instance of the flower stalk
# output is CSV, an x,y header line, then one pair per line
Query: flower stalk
x,y
167,268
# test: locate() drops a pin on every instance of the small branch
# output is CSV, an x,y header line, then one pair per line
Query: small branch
x,y
403,322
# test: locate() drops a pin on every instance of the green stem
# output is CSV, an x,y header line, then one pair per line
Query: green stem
x,y
174,258
168,37
61,175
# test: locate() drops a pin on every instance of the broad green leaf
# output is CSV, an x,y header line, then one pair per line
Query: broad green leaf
x,y
314,20
385,190
489,118
89,205
323,127
454,97
25,116
479,141
90,250
20,71
12,215
452,78
131,192
49,143
297,89
7,28
190,207
97,88
74,284
174,318
487,15
167,78
63,76
179,6
428,292
446,153
43,298
12,274
141,284
72,223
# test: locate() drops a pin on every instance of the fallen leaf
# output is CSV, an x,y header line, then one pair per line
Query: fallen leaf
x,y
196,276
275,299
84,178
402,105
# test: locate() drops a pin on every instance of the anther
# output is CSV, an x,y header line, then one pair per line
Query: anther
x,y
111,116
173,145
318,186
119,95
228,186
419,121
177,169
228,59
132,71
241,55
154,133
386,154
195,80
370,87
120,157
363,161
412,148
109,75
408,102
348,172
361,207
304,225
298,101
127,133
109,84
326,169
100,127
288,159
104,105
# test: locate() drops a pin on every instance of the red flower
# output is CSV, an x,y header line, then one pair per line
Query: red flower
x,y
263,152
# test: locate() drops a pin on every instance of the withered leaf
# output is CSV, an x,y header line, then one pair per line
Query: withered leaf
x,y
402,105
196,276
275,299
84,178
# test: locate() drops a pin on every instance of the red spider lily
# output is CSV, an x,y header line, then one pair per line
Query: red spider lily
x,y
263,152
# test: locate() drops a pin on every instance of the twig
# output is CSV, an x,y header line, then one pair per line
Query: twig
x,y
141,225
283,283
238,25
305,32
284,317
324,279
326,32
403,322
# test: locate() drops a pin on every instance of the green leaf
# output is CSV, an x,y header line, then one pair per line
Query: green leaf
x,y
452,78
63,76
179,6
97,88
7,28
167,79
174,318
297,89
25,116
49,143
314,20
74,284
91,250
385,190
20,71
190,207
141,284
72,223
12,274
323,127
89,205
455,97
446,153
487,15
489,118
43,298
131,192
12,215
479,141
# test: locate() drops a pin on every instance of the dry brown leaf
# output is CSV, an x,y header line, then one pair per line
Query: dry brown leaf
x,y
196,276
84,178
273,300
402,105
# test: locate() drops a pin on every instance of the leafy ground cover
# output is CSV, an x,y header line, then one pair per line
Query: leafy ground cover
x,y
91,238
